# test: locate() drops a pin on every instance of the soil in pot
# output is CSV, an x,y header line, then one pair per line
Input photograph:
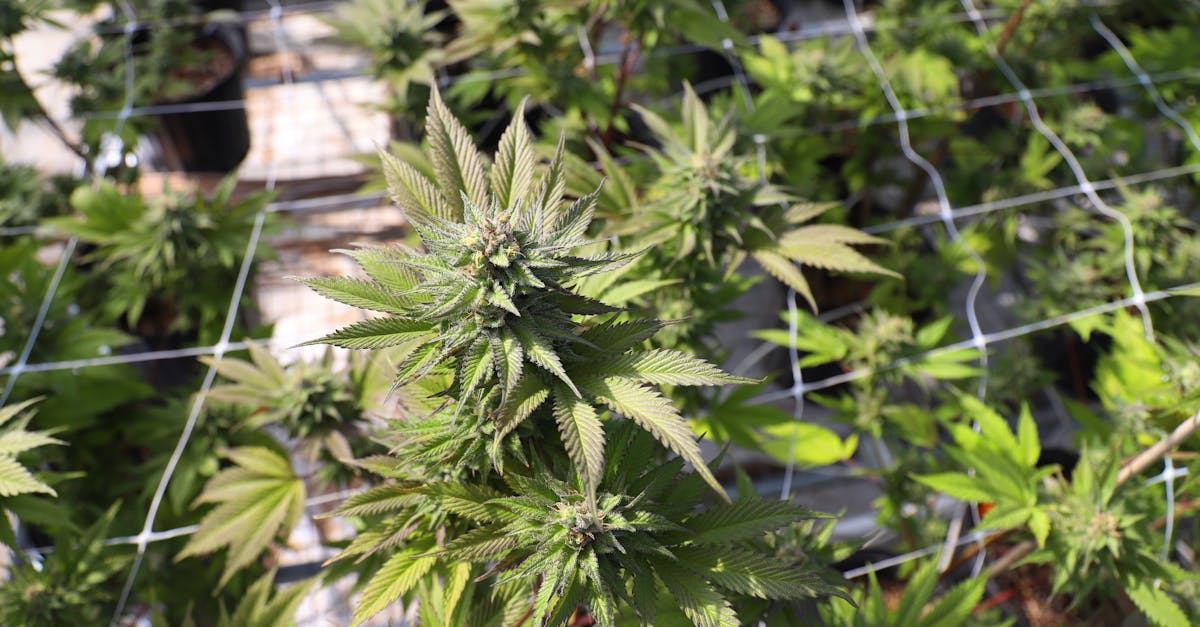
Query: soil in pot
x,y
214,139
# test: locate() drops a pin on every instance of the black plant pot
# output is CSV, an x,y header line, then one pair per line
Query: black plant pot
x,y
209,6
212,138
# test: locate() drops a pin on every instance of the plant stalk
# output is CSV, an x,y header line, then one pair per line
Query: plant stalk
x,y
1140,462
629,55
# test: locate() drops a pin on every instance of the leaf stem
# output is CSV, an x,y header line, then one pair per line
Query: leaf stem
x,y
629,55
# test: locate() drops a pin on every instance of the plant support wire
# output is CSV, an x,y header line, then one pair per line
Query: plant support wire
x,y
785,490
143,538
946,214
991,338
1089,190
1145,80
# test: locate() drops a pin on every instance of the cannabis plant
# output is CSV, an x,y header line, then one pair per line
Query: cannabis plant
x,y
401,38
916,606
68,331
492,297
323,409
15,478
504,349
168,263
72,585
256,499
26,197
705,211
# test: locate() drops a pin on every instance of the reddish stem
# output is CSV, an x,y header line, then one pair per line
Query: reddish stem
x,y
629,55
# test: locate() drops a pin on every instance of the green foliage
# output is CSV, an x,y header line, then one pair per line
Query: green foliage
x,y
1005,470
323,408
1100,539
1084,259
15,478
261,608
71,586
169,263
637,537
401,38
916,606
883,347
16,439
494,293
545,396
490,318
26,197
256,499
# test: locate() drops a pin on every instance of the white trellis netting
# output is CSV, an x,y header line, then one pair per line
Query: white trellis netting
x,y
856,26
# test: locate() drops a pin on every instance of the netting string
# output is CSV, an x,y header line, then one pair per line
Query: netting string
x,y
110,360
20,367
1145,81
143,538
991,338
785,491
1168,476
946,213
168,534
1169,473
978,536
1038,197
1072,163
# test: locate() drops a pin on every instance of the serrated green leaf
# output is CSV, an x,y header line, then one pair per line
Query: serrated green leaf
x,y
956,606
751,573
1156,605
667,367
375,333
509,360
744,519
14,442
541,352
414,194
378,500
8,412
467,500
16,479
380,264
582,435
359,293
698,600
512,174
476,366
457,164
398,575
1027,438
480,544
261,497
959,486
619,337
654,413
786,272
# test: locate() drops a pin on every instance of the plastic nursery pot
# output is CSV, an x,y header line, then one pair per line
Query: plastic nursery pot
x,y
209,6
216,138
